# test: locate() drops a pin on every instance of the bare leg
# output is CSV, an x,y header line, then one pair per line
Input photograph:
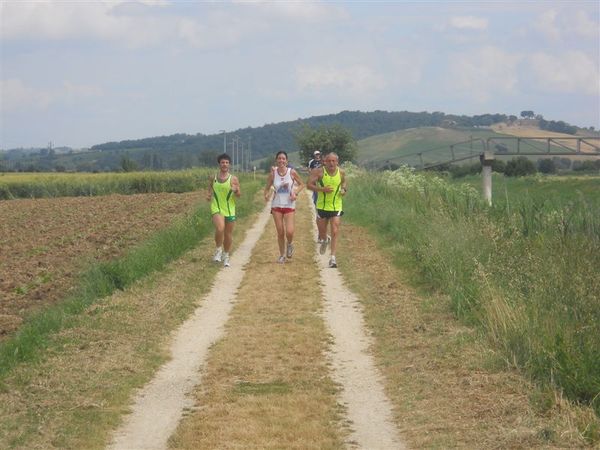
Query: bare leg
x,y
289,226
228,236
335,229
278,220
219,222
322,227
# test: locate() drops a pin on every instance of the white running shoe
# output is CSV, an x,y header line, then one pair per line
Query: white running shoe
x,y
290,250
218,255
281,259
226,260
332,262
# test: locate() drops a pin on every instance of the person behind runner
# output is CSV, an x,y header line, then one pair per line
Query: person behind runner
x,y
315,163
222,190
331,185
282,188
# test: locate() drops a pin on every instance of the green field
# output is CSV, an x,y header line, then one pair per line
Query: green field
x,y
39,185
525,271
552,191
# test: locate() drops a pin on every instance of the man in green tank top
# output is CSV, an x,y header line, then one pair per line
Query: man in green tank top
x,y
329,182
223,188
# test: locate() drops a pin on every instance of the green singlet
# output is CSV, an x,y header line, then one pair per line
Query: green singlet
x,y
330,201
223,200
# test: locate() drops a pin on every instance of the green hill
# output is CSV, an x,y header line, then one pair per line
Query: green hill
x,y
435,145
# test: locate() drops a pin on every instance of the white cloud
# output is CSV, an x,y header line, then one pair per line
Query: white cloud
x,y
469,22
73,91
557,26
571,72
546,24
483,74
350,80
403,67
85,20
211,33
18,96
138,24
298,10
582,25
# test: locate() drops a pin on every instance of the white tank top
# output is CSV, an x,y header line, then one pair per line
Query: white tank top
x,y
283,190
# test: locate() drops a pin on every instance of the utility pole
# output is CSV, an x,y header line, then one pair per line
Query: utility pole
x,y
232,150
224,140
249,151
237,151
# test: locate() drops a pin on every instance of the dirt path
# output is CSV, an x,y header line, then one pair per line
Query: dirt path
x,y
159,407
362,392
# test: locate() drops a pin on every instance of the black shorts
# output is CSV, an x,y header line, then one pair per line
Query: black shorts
x,y
322,214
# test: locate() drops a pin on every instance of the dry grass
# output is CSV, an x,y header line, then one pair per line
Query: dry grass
x,y
533,132
449,389
77,393
266,384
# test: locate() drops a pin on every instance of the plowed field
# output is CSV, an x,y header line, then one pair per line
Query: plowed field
x,y
45,243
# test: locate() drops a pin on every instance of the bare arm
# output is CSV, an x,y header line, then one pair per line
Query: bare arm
x,y
209,192
313,178
344,183
298,182
268,191
235,187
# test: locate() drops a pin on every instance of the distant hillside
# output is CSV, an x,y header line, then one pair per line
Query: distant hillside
x,y
434,145
531,129
183,150
402,146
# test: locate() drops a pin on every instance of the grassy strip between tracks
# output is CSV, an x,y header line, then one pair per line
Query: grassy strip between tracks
x,y
266,383
102,279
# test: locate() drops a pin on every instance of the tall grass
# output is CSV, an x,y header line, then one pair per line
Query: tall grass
x,y
525,271
89,184
102,279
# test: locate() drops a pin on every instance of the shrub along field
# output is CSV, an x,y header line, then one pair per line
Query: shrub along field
x,y
524,271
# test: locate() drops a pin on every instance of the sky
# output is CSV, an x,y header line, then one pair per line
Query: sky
x,y
79,73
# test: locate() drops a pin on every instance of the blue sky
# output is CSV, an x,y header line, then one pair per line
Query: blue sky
x,y
83,73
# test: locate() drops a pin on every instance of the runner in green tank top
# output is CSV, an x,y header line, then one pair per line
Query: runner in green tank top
x,y
223,188
330,184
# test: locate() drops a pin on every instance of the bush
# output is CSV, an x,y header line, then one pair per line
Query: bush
x,y
464,170
546,166
498,166
519,167
586,166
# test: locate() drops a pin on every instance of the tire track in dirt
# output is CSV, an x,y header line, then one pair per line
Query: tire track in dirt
x,y
362,392
159,406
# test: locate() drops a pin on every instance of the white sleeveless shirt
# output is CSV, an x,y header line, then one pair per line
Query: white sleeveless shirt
x,y
283,190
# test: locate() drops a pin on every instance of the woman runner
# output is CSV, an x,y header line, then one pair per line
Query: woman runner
x,y
282,188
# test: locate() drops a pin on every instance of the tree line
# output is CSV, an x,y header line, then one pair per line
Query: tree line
x,y
182,150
